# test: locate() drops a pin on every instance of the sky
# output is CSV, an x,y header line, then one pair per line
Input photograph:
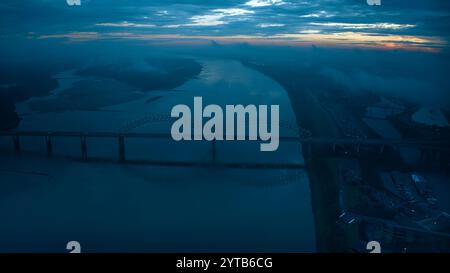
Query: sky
x,y
404,24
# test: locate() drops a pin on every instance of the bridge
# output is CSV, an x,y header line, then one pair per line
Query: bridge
x,y
306,142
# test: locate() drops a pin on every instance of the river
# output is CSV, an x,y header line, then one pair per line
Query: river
x,y
46,202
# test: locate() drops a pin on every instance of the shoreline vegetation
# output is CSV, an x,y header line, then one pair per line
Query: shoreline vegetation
x,y
323,172
9,119
121,81
18,84
151,74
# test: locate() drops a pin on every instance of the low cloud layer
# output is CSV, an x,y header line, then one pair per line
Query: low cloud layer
x,y
426,20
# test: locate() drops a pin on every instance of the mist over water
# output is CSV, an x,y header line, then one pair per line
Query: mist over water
x,y
365,88
145,208
415,77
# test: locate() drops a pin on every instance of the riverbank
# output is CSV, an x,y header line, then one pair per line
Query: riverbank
x,y
9,119
160,208
18,83
323,175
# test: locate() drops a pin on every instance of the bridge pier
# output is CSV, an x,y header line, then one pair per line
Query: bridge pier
x,y
309,151
381,151
214,152
49,145
438,155
122,148
84,154
16,143
423,155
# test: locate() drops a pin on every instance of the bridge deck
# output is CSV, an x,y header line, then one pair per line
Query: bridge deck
x,y
421,143
308,140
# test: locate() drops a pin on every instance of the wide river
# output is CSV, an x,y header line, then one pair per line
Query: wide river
x,y
106,206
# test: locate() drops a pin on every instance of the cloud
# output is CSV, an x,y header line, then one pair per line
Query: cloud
x,y
413,89
230,18
362,38
305,38
310,31
172,26
267,18
207,20
266,25
390,26
217,17
319,14
162,13
125,24
74,36
264,3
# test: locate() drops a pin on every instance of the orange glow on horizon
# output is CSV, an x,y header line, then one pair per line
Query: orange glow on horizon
x,y
340,39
